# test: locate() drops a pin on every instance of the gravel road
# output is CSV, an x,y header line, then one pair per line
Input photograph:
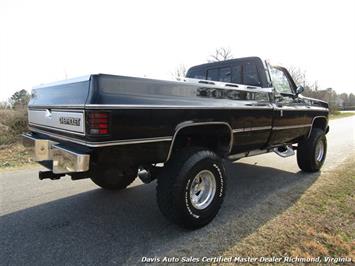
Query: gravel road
x,y
73,223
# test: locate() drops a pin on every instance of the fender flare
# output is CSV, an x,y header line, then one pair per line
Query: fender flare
x,y
186,124
326,129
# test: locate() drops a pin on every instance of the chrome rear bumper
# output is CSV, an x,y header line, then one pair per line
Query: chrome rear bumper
x,y
65,160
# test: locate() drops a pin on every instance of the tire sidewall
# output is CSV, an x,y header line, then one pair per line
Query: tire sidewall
x,y
320,137
206,214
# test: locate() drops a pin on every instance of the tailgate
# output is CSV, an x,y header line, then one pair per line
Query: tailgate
x,y
60,106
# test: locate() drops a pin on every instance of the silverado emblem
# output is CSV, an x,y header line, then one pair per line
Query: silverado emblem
x,y
72,121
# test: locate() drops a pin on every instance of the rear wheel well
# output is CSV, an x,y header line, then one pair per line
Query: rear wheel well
x,y
214,137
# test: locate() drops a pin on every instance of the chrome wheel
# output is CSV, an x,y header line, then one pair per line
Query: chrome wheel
x,y
319,153
202,189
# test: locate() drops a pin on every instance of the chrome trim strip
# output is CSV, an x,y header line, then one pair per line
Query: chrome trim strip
x,y
192,124
288,127
128,141
226,85
104,143
58,109
56,106
151,106
314,118
247,129
57,129
56,136
134,106
287,108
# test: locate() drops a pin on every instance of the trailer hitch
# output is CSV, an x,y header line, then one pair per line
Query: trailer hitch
x,y
49,175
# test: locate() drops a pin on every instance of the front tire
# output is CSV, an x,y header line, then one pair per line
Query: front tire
x,y
191,188
311,152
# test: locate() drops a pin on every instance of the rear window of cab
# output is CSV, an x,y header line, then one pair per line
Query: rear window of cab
x,y
242,73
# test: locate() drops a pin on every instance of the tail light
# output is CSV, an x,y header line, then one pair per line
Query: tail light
x,y
98,123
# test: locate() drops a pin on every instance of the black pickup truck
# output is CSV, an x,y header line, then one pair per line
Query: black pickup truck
x,y
114,128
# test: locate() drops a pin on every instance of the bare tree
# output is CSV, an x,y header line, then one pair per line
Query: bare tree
x,y
221,54
298,76
4,105
180,72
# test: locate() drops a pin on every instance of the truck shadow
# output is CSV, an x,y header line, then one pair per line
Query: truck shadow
x,y
100,227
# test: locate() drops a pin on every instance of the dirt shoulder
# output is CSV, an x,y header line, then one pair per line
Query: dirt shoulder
x,y
321,223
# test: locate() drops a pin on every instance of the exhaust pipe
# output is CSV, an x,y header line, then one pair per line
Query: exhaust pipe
x,y
149,173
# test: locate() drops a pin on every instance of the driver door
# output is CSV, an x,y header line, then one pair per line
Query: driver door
x,y
289,110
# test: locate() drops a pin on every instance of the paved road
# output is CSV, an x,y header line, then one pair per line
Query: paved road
x,y
66,222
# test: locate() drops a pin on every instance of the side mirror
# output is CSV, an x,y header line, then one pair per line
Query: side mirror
x,y
278,99
299,90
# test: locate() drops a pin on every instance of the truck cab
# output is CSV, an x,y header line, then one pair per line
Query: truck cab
x,y
285,96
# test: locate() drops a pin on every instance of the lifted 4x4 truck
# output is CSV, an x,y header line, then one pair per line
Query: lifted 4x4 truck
x,y
114,128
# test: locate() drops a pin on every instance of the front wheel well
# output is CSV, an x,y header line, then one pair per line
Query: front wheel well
x,y
215,137
320,122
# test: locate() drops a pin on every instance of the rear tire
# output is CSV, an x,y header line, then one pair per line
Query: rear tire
x,y
191,188
114,179
311,152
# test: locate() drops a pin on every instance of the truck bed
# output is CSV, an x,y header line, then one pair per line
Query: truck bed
x,y
155,106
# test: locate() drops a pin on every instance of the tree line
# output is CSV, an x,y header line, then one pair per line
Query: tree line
x,y
336,101
19,101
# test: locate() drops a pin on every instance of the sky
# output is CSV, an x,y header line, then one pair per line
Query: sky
x,y
46,41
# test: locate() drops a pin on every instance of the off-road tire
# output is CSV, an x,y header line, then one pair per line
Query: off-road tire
x,y
175,181
306,151
110,180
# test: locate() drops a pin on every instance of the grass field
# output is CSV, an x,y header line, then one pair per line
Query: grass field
x,y
341,115
321,223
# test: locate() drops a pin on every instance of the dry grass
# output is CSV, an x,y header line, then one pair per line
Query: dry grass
x,y
12,124
14,155
321,223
